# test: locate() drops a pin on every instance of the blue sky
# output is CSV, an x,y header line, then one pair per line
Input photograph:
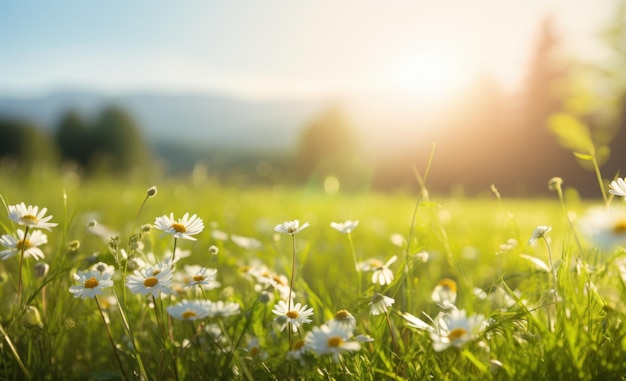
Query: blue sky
x,y
267,49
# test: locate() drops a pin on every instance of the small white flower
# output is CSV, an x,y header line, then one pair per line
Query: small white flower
x,y
456,329
604,227
222,309
201,276
345,318
444,292
381,274
331,340
291,227
344,227
540,232
246,242
189,310
30,216
254,349
29,244
182,228
298,351
618,188
91,283
103,267
288,314
150,280
379,304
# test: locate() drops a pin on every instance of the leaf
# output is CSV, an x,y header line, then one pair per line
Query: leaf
x,y
583,156
538,262
571,132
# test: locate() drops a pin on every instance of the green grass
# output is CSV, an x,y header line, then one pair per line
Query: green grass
x,y
577,335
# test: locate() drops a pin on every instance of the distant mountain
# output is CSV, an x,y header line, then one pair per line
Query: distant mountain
x,y
201,120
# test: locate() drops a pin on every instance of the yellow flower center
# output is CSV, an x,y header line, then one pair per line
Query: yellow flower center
x,y
23,244
277,279
448,284
150,282
198,278
335,342
457,333
29,219
342,315
619,227
179,228
189,314
292,314
254,351
91,283
156,272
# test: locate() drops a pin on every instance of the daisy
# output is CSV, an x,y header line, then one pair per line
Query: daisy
x,y
456,329
444,292
298,351
30,216
381,272
291,227
246,242
201,276
223,309
332,340
29,244
288,314
189,310
618,187
345,318
182,228
91,283
539,232
344,227
151,280
415,322
379,304
604,227
254,349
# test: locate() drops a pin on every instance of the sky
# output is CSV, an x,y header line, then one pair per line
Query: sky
x,y
280,49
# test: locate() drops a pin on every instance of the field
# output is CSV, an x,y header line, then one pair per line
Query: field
x,y
468,296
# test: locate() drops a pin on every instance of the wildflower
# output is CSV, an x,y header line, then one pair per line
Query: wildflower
x,y
213,250
182,228
152,191
604,227
30,216
555,183
444,292
222,309
31,318
219,235
456,329
379,304
29,244
540,232
298,351
344,227
189,310
618,187
246,242
381,273
103,267
291,227
254,349
332,340
150,280
415,322
41,269
343,317
364,338
288,314
91,283
201,276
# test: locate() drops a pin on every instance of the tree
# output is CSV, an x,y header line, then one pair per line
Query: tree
x,y
25,143
73,137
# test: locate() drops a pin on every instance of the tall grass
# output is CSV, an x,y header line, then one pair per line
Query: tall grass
x,y
563,321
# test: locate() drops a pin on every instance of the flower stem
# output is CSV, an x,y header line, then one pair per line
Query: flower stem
x,y
106,325
19,280
356,263
174,252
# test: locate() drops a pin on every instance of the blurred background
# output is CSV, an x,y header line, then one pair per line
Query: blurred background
x,y
347,95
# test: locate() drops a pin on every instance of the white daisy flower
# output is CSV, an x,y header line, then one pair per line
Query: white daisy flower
x,y
379,304
189,310
298,351
151,280
618,187
332,340
91,283
291,227
444,292
182,228
223,309
381,274
103,267
288,314
30,216
344,227
604,227
246,242
456,329
254,349
201,276
345,318
29,244
539,232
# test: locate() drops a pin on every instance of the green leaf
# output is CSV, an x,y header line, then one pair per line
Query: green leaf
x,y
583,156
571,132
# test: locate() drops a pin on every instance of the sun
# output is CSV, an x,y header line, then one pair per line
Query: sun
x,y
430,73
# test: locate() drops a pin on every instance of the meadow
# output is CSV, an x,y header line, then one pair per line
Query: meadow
x,y
125,286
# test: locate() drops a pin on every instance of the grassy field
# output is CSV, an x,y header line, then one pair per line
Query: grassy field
x,y
472,298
